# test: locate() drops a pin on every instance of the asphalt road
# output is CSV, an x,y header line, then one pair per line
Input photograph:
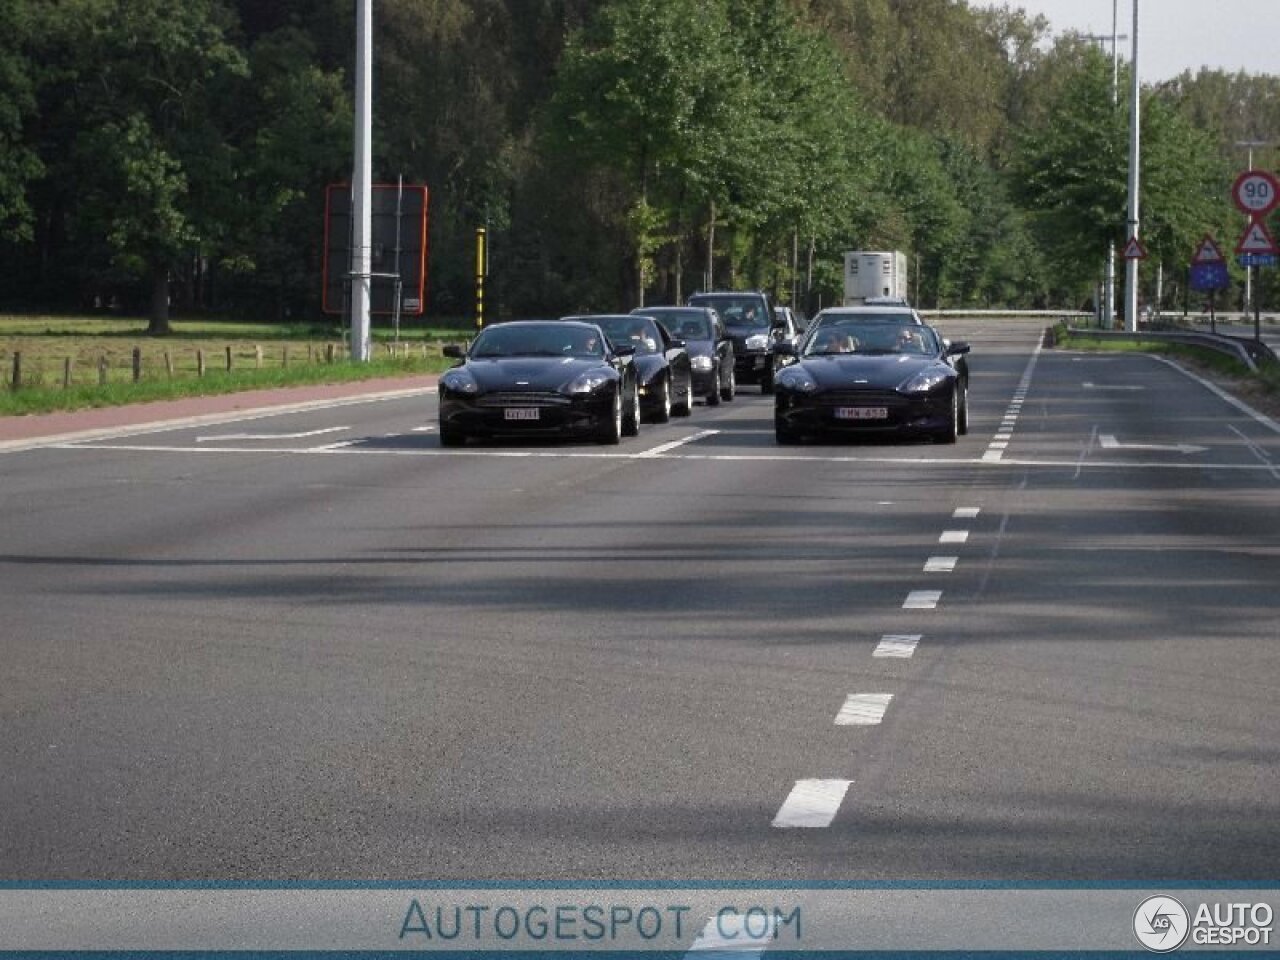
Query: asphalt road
x,y
317,646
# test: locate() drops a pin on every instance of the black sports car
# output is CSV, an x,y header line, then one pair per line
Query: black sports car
x,y
869,375
710,349
539,378
661,364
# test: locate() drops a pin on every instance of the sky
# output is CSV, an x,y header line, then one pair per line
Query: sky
x,y
1175,35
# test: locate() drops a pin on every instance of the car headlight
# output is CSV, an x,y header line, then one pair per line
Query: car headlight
x,y
797,381
588,382
701,364
758,341
925,380
459,381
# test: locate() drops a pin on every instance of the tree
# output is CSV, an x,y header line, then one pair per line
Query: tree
x,y
133,147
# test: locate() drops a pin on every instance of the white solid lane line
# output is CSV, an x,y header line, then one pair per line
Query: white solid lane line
x,y
954,536
922,600
940,564
863,709
811,803
966,513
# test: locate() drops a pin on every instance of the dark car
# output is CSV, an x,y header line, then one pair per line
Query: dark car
x,y
539,378
749,319
708,344
661,364
862,374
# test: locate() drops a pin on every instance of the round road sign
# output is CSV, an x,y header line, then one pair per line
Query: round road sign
x,y
1256,193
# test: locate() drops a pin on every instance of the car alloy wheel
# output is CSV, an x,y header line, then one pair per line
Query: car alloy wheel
x,y
727,393
611,429
663,413
631,422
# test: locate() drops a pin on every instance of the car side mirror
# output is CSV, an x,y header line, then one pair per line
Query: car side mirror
x,y
785,349
677,343
959,347
624,350
454,351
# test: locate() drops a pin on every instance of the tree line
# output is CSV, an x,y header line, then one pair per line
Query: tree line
x,y
157,155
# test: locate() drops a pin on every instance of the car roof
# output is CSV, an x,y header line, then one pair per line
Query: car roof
x,y
887,311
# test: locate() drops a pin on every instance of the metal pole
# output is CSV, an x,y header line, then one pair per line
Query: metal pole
x,y
361,185
1131,266
1110,309
481,236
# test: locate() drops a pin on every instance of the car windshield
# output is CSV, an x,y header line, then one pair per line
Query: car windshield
x,y
738,312
869,337
685,324
638,332
537,340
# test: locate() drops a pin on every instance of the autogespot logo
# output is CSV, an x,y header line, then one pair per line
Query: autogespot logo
x,y
1161,924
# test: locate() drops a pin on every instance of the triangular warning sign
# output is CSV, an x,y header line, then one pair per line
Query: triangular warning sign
x,y
1208,251
1256,240
1134,250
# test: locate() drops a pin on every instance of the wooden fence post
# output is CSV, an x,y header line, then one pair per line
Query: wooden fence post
x,y
328,353
199,363
17,369
257,357
66,373
137,364
284,356
168,364
228,358
102,370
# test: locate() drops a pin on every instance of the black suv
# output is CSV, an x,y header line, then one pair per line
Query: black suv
x,y
748,316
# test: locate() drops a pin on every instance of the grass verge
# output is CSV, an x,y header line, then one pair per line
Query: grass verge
x,y
45,398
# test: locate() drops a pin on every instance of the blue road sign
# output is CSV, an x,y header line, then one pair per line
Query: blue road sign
x,y
1210,276
1257,259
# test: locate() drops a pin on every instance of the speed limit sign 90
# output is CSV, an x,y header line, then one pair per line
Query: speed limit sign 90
x,y
1256,192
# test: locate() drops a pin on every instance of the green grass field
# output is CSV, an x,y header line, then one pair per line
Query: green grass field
x,y
72,362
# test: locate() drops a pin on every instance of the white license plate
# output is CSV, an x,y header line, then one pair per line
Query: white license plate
x,y
862,413
520,413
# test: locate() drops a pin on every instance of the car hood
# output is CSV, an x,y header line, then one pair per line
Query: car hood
x,y
889,371
700,348
531,373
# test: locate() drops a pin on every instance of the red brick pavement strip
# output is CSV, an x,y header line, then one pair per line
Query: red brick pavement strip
x,y
52,426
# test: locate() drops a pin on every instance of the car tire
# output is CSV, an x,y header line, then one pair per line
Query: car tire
x,y
685,407
766,382
631,416
785,436
949,432
663,413
962,422
727,393
713,398
610,432
452,437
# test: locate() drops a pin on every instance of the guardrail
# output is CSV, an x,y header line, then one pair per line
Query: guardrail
x,y
1249,352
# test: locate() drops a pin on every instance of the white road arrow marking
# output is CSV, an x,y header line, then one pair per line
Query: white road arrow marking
x,y
270,436
1109,442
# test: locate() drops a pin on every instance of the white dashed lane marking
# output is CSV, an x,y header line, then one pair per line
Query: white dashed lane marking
x,y
863,709
954,536
900,646
728,936
811,803
922,600
940,564
966,513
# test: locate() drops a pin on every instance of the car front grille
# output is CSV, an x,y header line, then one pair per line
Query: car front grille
x,y
516,398
869,397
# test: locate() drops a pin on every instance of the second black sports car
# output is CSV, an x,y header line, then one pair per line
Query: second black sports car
x,y
871,375
661,364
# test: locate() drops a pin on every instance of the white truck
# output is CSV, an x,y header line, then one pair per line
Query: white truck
x,y
874,274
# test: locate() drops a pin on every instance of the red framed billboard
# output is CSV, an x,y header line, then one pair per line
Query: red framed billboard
x,y
399,221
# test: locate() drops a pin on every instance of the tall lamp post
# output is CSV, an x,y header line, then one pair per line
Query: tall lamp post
x,y
361,185
1131,265
1109,292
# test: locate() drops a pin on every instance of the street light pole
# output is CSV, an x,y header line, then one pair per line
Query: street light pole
x,y
361,185
1131,264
